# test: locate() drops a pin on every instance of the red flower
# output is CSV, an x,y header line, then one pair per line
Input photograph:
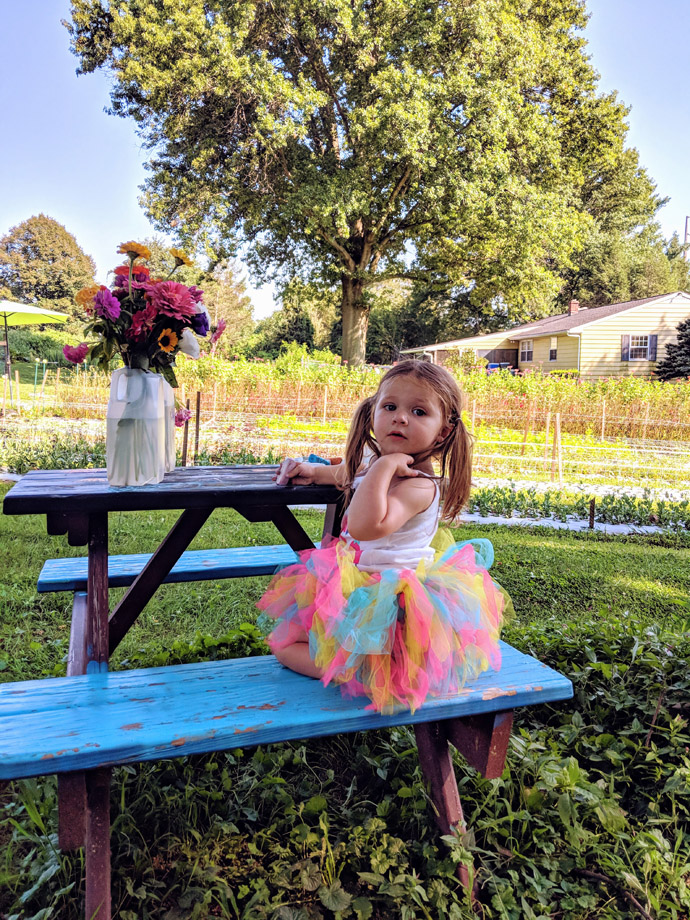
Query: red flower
x,y
76,353
142,323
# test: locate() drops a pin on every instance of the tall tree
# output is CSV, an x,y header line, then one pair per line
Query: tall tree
x,y
358,140
40,261
676,362
226,298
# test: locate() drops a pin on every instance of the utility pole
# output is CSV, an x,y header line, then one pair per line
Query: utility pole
x,y
687,237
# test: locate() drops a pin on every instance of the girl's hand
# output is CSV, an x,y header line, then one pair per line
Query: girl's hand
x,y
297,472
399,464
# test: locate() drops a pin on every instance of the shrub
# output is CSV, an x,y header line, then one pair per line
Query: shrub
x,y
28,345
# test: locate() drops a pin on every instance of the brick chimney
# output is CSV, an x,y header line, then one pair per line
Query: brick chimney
x,y
573,307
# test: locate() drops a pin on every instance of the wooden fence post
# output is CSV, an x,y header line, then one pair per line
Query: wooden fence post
x,y
554,449
16,384
197,422
546,437
43,385
528,428
592,504
603,418
560,453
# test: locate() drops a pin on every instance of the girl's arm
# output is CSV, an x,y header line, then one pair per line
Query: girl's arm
x,y
389,495
303,473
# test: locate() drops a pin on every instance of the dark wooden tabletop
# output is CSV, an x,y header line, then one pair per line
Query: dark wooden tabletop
x,y
80,491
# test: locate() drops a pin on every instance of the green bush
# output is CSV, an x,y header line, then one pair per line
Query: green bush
x,y
29,344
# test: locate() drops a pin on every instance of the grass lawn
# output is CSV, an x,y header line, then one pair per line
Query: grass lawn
x,y
548,573
590,820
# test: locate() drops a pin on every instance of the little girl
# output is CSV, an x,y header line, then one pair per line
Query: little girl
x,y
380,610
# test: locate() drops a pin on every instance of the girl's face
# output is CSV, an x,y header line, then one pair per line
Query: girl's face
x,y
408,417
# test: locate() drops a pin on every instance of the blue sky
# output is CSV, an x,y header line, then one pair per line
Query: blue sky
x,y
62,155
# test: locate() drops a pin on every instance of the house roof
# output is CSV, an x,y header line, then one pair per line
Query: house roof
x,y
565,322
553,325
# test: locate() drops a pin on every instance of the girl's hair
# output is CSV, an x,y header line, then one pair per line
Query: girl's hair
x,y
454,453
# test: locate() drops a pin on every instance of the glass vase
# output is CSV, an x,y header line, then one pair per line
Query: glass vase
x,y
135,432
169,409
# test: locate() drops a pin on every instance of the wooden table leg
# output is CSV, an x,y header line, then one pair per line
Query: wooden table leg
x,y
98,845
151,576
88,651
333,520
482,740
97,595
436,762
72,786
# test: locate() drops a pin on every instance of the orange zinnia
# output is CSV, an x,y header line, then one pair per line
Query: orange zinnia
x,y
84,297
135,250
168,340
180,258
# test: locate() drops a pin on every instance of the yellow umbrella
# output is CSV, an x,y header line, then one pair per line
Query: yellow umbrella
x,y
24,314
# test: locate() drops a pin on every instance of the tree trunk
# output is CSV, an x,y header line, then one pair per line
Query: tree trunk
x,y
355,321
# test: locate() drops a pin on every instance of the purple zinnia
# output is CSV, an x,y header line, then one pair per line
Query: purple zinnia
x,y
105,304
196,293
200,323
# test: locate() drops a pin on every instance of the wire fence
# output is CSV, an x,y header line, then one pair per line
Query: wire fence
x,y
522,440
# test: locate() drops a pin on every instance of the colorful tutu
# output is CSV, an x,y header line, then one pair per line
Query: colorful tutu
x,y
397,636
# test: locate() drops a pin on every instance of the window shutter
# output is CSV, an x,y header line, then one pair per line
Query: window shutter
x,y
625,348
652,348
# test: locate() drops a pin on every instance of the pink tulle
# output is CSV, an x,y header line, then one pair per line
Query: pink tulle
x,y
397,637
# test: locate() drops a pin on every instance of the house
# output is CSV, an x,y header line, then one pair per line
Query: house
x,y
614,340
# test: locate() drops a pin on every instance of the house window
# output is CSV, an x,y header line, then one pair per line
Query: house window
x,y
553,348
526,350
639,347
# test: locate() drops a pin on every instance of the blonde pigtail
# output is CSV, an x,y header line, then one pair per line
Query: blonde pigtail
x,y
358,437
456,468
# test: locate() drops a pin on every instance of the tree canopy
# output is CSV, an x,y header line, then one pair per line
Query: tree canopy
x,y
460,144
41,262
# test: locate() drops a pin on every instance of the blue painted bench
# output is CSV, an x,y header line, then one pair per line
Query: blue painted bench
x,y
92,722
70,574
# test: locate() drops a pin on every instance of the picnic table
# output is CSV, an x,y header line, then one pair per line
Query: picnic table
x,y
177,715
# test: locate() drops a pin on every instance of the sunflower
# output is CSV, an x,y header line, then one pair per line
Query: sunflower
x,y
135,250
180,258
168,340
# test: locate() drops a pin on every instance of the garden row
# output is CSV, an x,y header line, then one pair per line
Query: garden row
x,y
316,386
20,452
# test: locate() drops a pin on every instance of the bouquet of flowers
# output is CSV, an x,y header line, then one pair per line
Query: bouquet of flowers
x,y
146,320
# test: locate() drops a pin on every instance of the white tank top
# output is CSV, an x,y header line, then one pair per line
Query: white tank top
x,y
405,548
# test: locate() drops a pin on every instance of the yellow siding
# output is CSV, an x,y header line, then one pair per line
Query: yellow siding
x,y
600,354
566,358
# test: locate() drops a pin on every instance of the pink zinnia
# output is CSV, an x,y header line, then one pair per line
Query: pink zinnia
x,y
76,353
106,304
182,416
172,299
219,330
